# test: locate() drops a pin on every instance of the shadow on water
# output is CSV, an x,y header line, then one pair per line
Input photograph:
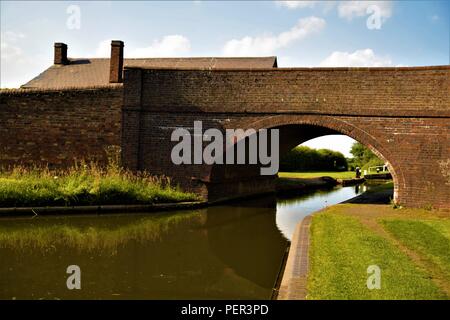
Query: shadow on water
x,y
221,252
383,195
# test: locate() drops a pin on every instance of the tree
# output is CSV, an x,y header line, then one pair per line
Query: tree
x,y
358,150
363,157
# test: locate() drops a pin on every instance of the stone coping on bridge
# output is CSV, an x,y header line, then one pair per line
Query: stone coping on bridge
x,y
281,69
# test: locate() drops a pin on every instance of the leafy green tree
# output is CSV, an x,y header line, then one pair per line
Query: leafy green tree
x,y
363,157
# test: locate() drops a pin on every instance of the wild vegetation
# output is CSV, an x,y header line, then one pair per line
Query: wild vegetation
x,y
85,184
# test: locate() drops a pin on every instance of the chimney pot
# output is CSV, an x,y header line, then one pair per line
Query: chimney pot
x,y
116,62
60,53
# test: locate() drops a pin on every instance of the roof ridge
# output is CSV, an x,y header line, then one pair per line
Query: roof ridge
x,y
85,71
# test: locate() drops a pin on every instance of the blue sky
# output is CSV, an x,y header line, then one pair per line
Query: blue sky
x,y
308,33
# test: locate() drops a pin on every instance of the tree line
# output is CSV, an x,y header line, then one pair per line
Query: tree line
x,y
302,158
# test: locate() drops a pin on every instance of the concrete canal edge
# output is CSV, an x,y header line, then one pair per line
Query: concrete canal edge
x,y
350,182
99,209
294,280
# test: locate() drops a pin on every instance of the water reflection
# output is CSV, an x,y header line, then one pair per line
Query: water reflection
x,y
219,252
246,239
360,188
291,211
232,251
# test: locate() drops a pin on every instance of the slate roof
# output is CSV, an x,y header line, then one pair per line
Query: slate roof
x,y
95,71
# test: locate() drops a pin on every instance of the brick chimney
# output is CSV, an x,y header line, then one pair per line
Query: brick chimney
x,y
61,53
116,62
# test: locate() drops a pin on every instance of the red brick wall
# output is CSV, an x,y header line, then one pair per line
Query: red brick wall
x,y
416,91
403,114
57,127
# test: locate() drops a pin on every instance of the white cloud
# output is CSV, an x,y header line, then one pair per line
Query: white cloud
x,y
359,58
346,9
16,67
267,44
9,50
297,4
9,45
352,9
103,49
12,36
168,46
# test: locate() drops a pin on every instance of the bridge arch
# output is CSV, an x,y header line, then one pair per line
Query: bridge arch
x,y
401,114
296,129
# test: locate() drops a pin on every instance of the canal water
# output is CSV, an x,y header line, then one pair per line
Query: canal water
x,y
232,251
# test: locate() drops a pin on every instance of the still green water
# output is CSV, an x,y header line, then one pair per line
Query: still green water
x,y
232,251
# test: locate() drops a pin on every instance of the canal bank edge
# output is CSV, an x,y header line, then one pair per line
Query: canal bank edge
x,y
289,186
99,209
296,185
294,281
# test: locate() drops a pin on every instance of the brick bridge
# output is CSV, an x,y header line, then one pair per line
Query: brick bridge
x,y
402,114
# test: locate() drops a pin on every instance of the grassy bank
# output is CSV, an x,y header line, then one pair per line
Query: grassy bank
x,y
85,185
411,247
332,174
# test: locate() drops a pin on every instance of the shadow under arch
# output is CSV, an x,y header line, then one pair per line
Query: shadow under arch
x,y
296,129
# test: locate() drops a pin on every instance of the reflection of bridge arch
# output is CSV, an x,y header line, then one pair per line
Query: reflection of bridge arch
x,y
245,237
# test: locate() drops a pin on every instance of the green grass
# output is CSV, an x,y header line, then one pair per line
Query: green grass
x,y
341,250
85,185
335,175
428,238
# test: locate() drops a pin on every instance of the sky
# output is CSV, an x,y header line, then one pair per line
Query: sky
x,y
299,33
